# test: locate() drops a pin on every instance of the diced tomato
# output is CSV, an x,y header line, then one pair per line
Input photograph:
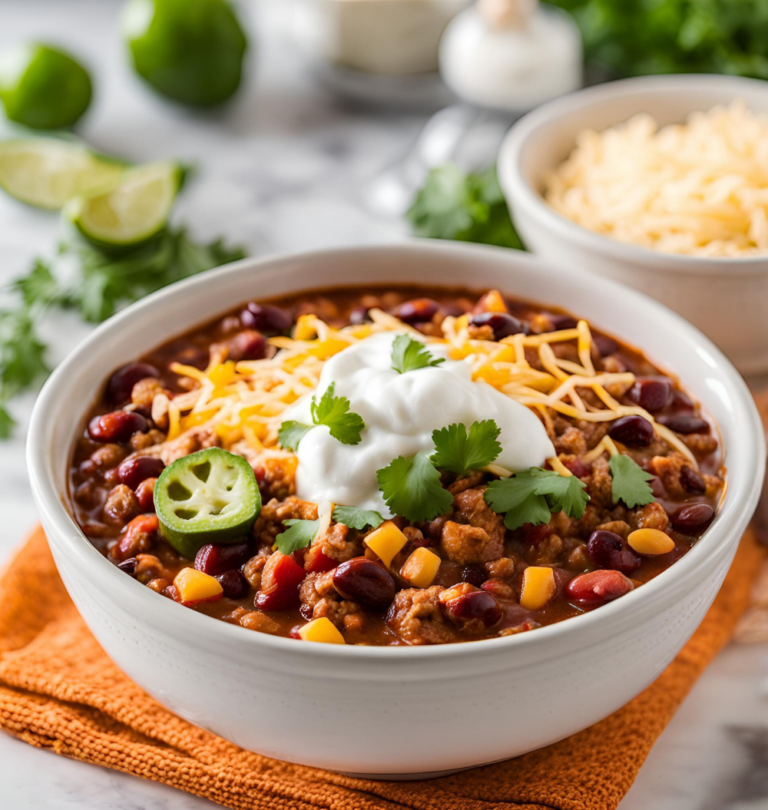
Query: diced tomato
x,y
280,582
317,562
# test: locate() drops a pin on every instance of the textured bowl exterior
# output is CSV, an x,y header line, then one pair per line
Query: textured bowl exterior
x,y
726,298
387,711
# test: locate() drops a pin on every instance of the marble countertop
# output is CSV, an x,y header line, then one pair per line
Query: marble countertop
x,y
284,168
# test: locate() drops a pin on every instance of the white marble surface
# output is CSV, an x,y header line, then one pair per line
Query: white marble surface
x,y
284,168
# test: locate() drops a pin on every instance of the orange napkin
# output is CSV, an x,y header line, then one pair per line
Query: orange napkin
x,y
58,690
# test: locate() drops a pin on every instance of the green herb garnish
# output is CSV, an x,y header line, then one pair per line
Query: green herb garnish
x,y
291,433
411,487
357,518
409,355
630,482
460,451
299,535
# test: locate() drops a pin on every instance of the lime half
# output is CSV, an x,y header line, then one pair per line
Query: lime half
x,y
131,210
46,172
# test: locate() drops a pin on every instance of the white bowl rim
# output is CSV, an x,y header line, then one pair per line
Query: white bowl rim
x,y
738,505
517,187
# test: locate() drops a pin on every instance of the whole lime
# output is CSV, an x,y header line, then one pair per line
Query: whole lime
x,y
189,50
43,87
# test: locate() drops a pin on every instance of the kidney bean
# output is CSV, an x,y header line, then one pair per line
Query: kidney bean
x,y
280,582
685,424
605,345
608,550
295,632
598,587
632,431
129,566
233,583
692,518
145,494
122,381
476,608
499,588
247,345
681,401
217,558
419,310
138,537
474,575
359,315
363,581
266,318
652,395
562,321
117,426
691,481
576,466
135,470
657,487
502,323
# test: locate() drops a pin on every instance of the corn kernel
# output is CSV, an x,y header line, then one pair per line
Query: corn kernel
x,y
322,630
194,586
538,587
493,301
650,542
306,327
421,568
386,541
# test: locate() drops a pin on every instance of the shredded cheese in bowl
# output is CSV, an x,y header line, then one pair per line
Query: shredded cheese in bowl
x,y
699,188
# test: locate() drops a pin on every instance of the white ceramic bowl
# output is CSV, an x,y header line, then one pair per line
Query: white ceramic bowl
x,y
726,298
404,710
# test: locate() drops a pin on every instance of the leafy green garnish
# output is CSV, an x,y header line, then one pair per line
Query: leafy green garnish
x,y
411,487
357,518
299,535
333,412
465,207
291,433
630,482
409,355
532,495
459,451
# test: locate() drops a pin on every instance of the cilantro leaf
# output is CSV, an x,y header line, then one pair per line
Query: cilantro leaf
x,y
291,433
357,518
459,451
412,488
409,355
630,482
39,286
7,422
333,412
466,207
517,496
530,496
299,535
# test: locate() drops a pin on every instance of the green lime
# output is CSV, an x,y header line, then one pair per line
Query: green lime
x,y
46,172
43,87
189,50
129,211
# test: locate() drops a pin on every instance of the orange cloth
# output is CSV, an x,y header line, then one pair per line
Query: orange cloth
x,y
58,690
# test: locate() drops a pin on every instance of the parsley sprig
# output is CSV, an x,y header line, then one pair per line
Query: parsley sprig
x,y
532,495
630,482
410,355
344,425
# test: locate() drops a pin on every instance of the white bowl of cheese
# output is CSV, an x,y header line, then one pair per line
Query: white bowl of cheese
x,y
604,181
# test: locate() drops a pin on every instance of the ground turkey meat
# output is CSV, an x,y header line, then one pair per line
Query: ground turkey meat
x,y
650,516
416,617
319,599
460,539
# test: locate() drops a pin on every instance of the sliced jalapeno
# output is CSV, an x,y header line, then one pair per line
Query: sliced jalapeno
x,y
207,497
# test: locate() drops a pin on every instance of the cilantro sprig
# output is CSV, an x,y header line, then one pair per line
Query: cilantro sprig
x,y
300,533
344,425
533,495
411,487
410,355
356,518
630,482
460,451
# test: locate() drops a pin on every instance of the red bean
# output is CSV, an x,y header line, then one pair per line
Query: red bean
x,y
605,345
280,582
129,565
691,481
266,318
562,321
122,381
681,401
652,395
685,424
247,345
420,310
359,315
145,494
502,323
135,470
478,608
499,588
632,431
598,587
217,558
363,581
117,426
608,550
295,632
690,519
474,575
233,584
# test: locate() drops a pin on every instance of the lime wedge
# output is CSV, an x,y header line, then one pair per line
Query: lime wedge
x,y
131,210
46,172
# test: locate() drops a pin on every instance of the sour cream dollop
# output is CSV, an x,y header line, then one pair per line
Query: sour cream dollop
x,y
400,412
